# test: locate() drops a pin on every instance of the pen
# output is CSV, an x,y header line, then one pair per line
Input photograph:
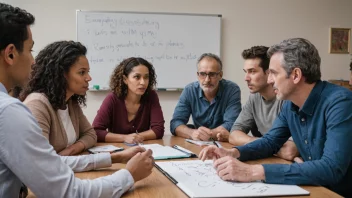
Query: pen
x,y
139,144
214,142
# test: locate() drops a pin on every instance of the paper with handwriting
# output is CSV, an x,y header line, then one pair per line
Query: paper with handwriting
x,y
199,179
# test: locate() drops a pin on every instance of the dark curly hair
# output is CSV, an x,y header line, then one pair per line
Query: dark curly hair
x,y
258,52
13,26
123,69
48,72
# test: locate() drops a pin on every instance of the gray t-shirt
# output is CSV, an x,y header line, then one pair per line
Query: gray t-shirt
x,y
257,113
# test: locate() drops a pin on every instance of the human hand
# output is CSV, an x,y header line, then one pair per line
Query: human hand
x,y
124,156
73,149
298,160
133,138
140,166
223,136
202,133
231,169
288,151
213,152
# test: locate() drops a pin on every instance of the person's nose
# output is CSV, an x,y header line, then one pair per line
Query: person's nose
x,y
270,79
246,77
89,78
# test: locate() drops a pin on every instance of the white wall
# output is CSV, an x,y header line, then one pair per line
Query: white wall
x,y
245,23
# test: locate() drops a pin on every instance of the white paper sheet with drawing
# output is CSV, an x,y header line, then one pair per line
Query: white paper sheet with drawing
x,y
199,179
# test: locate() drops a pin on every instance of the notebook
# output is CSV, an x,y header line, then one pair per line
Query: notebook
x,y
105,148
166,152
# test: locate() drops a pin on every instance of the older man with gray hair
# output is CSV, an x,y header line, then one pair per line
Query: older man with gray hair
x,y
317,115
213,102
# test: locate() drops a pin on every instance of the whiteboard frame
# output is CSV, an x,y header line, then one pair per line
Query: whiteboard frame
x,y
161,13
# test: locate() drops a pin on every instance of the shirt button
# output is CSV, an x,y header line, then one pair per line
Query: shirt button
x,y
302,119
305,141
309,157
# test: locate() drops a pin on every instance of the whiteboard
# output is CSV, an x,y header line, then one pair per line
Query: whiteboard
x,y
171,42
199,179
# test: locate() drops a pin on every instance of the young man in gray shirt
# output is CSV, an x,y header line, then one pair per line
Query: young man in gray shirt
x,y
262,107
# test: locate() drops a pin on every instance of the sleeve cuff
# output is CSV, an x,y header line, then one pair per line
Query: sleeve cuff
x,y
101,135
275,173
243,154
227,126
102,160
238,128
175,125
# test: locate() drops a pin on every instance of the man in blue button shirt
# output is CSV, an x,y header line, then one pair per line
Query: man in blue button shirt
x,y
318,115
214,103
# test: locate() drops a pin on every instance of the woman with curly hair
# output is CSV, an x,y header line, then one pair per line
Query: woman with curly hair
x,y
57,87
131,113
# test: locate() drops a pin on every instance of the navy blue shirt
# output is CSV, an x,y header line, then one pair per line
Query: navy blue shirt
x,y
222,111
322,132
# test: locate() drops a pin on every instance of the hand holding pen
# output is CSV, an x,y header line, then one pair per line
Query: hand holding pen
x,y
215,143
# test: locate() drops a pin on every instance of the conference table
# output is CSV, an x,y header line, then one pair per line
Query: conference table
x,y
157,185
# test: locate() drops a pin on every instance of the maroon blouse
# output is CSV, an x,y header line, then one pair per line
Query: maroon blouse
x,y
112,115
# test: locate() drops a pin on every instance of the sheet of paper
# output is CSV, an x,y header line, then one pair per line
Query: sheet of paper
x,y
201,143
164,152
199,179
105,148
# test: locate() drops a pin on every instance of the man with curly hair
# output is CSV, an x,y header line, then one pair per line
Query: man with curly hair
x,y
262,107
25,154
213,102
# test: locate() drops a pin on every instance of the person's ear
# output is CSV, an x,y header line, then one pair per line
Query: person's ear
x,y
297,75
9,54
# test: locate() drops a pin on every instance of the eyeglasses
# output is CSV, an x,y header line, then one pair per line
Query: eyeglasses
x,y
210,74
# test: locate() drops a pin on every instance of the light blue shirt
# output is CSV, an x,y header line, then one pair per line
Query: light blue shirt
x,y
222,111
26,156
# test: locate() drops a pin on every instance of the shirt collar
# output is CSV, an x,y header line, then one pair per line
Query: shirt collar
x,y
311,102
2,88
218,94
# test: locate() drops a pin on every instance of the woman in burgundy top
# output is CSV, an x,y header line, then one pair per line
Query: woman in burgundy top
x,y
131,113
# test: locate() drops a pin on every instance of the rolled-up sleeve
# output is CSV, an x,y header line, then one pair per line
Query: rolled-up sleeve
x,y
182,111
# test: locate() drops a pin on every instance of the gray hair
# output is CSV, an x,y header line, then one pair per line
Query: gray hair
x,y
299,53
210,55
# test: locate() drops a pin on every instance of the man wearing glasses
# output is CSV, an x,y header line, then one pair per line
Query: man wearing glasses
x,y
213,102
